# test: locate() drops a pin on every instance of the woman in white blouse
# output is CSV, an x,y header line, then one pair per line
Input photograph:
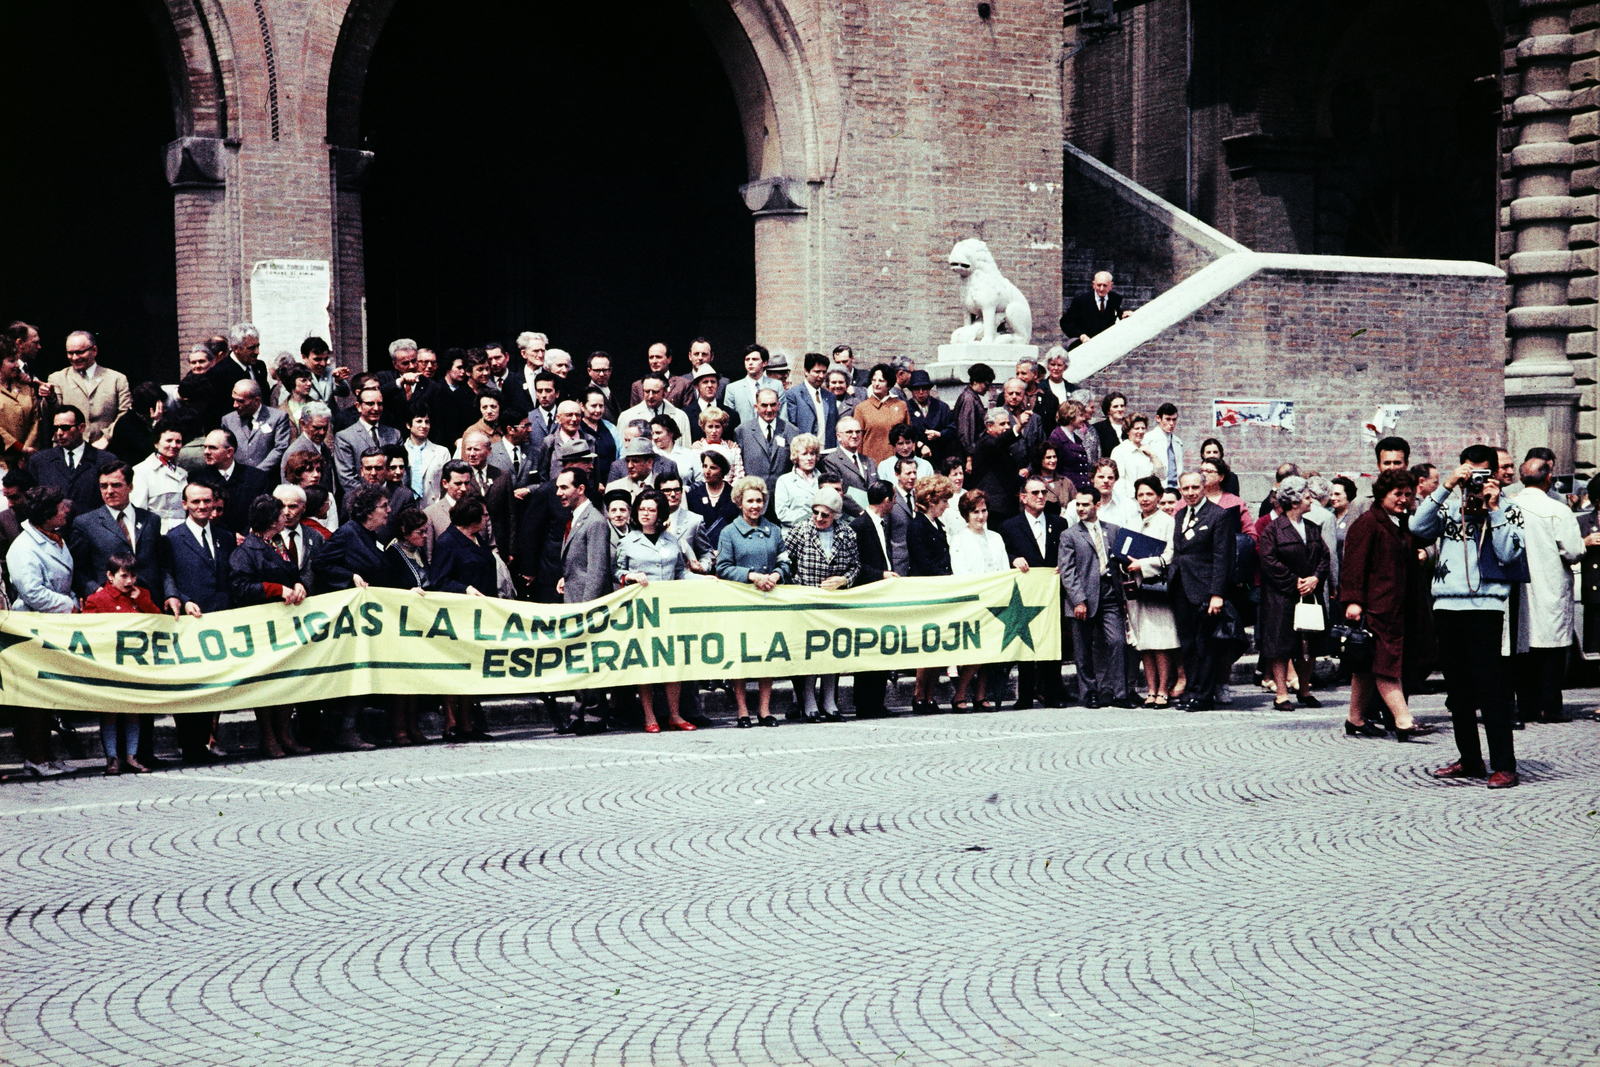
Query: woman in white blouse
x,y
1134,460
1150,618
158,481
792,495
976,549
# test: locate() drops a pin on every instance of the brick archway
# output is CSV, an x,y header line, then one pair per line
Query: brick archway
x,y
791,121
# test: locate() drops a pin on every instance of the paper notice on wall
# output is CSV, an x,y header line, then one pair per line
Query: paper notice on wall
x,y
1383,422
289,302
1277,414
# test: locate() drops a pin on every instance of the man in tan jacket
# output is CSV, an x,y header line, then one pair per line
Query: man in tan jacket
x,y
100,393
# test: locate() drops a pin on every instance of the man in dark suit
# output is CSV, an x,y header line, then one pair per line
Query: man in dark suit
x,y
536,552
1092,312
1200,570
873,548
703,397
1033,539
764,441
366,432
71,466
801,404
240,484
1091,587
195,555
407,389
932,421
115,527
242,362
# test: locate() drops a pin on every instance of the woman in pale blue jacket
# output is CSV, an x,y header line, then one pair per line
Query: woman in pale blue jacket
x,y
649,553
41,569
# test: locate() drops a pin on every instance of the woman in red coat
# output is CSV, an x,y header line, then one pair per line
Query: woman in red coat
x,y
1372,586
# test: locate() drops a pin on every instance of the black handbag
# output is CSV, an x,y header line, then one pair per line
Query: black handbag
x,y
1149,592
1358,648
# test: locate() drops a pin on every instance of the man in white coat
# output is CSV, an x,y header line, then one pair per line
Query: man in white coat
x,y
1542,606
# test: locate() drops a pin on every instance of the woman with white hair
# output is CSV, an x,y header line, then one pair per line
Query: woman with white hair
x,y
824,555
1294,569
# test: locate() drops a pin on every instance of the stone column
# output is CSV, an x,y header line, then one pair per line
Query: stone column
x,y
210,283
1541,401
784,278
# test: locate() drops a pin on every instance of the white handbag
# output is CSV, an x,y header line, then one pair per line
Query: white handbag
x,y
1308,617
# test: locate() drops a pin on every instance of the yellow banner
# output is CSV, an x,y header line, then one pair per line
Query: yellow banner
x,y
371,641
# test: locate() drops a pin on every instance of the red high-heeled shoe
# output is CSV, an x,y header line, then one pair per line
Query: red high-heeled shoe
x,y
681,724
652,728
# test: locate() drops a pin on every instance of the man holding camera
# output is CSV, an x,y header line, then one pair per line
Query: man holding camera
x,y
1469,611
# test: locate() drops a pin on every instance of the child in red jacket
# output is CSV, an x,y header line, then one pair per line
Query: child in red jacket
x,y
119,731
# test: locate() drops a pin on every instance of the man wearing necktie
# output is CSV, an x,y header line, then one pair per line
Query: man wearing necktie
x,y
1093,312
1091,587
1033,539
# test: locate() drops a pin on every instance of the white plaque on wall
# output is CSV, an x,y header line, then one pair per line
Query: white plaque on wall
x,y
289,302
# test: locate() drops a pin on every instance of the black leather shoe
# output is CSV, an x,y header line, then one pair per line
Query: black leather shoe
x,y
744,722
1023,704
1091,701
767,720
1126,702
1199,705
1182,703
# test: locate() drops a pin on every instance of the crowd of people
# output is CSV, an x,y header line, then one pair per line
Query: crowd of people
x,y
506,470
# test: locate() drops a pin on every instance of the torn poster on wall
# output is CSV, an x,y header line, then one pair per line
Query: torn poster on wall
x,y
1277,414
1383,422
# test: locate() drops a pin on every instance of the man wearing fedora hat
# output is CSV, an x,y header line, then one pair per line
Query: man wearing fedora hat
x,y
811,407
536,549
639,455
932,421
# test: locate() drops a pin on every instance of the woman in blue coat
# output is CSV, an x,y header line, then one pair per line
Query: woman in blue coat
x,y
649,553
751,549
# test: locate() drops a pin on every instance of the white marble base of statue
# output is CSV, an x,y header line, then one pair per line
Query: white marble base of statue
x,y
989,300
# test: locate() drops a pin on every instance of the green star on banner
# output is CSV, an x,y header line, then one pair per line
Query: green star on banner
x,y
1016,616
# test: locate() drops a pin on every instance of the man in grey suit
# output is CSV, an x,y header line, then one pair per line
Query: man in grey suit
x,y
1091,586
366,432
764,440
263,433
316,419
898,523
855,470
586,566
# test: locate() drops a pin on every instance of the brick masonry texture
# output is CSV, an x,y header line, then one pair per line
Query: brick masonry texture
x,y
1040,888
1432,342
914,125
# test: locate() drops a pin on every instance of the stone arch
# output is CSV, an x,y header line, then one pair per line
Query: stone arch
x,y
789,108
198,52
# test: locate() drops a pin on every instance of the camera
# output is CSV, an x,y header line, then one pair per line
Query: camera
x,y
1472,498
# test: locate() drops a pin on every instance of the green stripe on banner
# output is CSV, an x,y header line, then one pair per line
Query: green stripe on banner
x,y
274,676
829,606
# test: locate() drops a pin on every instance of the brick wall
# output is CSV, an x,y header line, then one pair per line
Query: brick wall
x,y
952,130
1432,341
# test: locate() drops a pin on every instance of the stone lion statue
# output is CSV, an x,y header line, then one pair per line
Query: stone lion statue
x,y
989,300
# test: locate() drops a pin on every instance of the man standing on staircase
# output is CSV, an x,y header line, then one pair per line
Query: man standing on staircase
x,y
1092,312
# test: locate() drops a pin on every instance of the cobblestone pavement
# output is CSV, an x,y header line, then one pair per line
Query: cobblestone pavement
x,y
1045,887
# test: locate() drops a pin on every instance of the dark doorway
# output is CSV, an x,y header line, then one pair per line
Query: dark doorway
x,y
85,109
566,168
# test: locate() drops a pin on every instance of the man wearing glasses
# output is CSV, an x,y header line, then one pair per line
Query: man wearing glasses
x,y
101,394
854,470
